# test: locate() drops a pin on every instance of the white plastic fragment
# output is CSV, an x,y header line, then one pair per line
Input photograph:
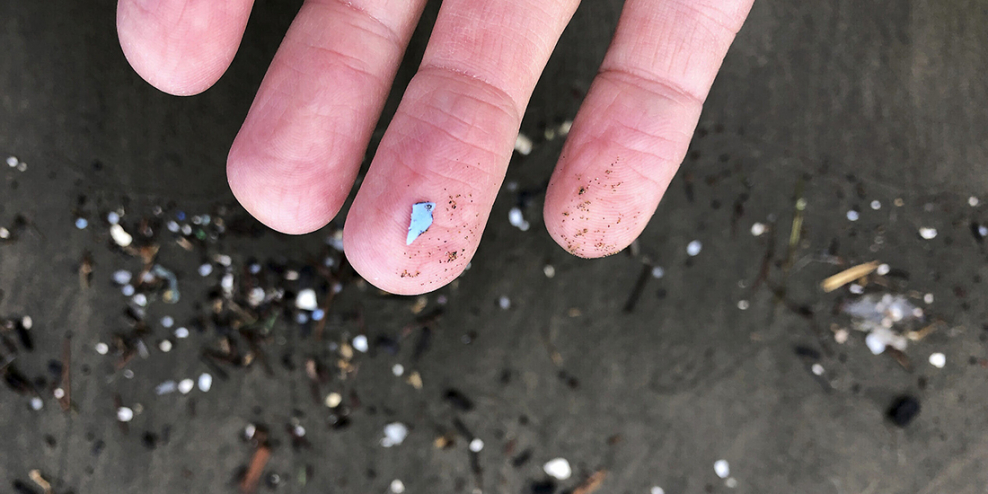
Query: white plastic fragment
x,y
972,201
167,321
125,414
113,217
102,348
122,277
360,343
722,468
549,270
928,298
731,482
658,272
523,144
476,445
883,269
181,332
517,220
743,304
421,220
394,434
876,205
58,393
128,374
694,248
852,215
37,404
333,400
656,490
504,302
397,486
165,346
817,369
306,299
558,468
205,382
166,388
127,290
758,229
205,269
928,233
12,161
81,223
185,386
398,370
938,360
27,322
120,236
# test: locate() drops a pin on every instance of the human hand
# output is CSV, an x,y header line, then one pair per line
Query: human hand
x,y
300,148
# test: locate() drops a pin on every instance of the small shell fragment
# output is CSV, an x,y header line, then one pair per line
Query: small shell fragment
x,y
558,468
421,220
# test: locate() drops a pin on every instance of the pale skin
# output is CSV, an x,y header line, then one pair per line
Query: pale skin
x,y
299,150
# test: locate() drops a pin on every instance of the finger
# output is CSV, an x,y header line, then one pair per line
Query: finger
x,y
181,46
299,150
450,141
637,120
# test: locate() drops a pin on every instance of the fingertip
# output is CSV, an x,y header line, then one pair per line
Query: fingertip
x,y
293,204
182,54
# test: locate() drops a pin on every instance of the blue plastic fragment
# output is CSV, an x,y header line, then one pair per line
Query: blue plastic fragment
x,y
421,220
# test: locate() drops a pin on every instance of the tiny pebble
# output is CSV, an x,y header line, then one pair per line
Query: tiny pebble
x,y
758,229
166,388
928,233
120,236
694,248
81,223
122,277
876,205
875,343
743,304
333,400
205,382
504,302
476,445
167,321
658,272
205,269
398,369
360,343
841,335
852,215
127,290
523,144
817,369
185,386
102,348
37,404
394,434
972,201
181,332
306,299
397,486
722,468
558,468
883,269
938,360
165,346
549,270
125,414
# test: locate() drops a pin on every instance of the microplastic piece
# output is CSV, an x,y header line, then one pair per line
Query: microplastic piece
x,y
394,434
421,220
938,360
558,468
722,468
